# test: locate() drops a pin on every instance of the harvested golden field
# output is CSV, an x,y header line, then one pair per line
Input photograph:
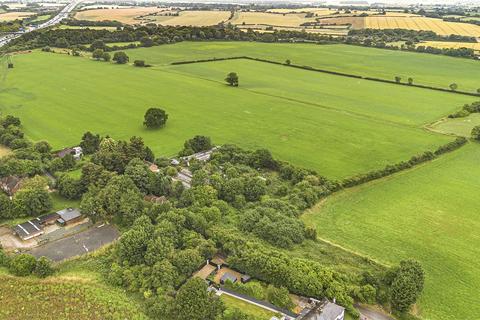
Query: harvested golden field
x,y
272,19
317,11
192,18
422,23
454,45
10,16
124,15
355,22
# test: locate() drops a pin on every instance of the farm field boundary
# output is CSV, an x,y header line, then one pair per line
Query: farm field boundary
x,y
349,75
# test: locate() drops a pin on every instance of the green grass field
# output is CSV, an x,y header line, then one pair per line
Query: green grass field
x,y
425,69
333,124
429,213
55,298
459,126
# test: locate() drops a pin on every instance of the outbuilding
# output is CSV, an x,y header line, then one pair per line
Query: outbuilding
x,y
69,216
28,230
228,277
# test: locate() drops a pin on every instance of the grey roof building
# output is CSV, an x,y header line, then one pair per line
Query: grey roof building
x,y
322,310
28,230
228,277
69,215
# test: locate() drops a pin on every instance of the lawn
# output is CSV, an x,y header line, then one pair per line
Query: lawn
x,y
429,213
427,69
250,309
337,135
40,299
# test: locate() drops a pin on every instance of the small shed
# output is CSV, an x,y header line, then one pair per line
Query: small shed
x,y
245,278
47,219
228,277
69,216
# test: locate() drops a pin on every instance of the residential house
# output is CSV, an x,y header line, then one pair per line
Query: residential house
x,y
322,310
77,152
11,184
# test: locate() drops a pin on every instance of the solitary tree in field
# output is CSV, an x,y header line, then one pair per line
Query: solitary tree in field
x,y
398,79
139,63
288,62
478,90
155,118
97,54
120,57
476,133
453,86
232,79
410,81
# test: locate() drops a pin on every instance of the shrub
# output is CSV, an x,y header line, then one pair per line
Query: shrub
x,y
22,265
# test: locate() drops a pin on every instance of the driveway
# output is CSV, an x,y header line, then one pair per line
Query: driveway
x,y
78,244
371,314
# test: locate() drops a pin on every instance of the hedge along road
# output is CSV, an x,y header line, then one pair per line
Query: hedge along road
x,y
338,131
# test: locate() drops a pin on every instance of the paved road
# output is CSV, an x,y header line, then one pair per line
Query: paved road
x,y
78,244
59,17
369,314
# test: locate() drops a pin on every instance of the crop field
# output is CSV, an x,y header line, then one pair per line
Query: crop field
x,y
417,214
192,18
17,15
124,15
422,23
272,19
326,125
455,45
371,62
24,298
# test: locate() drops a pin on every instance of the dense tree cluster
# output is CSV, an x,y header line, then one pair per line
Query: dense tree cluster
x,y
23,265
466,110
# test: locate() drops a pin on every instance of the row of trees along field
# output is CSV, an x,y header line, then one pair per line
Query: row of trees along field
x,y
244,204
153,35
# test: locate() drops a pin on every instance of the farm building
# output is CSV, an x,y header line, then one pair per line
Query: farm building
x,y
28,230
77,152
69,216
200,156
322,310
10,185
34,227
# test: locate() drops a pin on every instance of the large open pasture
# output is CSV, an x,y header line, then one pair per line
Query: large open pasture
x,y
429,213
333,124
385,64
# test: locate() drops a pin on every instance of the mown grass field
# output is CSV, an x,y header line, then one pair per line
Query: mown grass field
x,y
429,213
321,126
55,298
386,64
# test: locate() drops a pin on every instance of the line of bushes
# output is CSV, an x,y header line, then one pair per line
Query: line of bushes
x,y
403,165
209,60
466,110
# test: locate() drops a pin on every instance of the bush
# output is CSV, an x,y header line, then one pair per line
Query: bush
x,y
22,265
43,268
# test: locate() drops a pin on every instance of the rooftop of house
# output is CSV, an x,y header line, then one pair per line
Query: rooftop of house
x,y
11,184
322,310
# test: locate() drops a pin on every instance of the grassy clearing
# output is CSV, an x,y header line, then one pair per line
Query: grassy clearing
x,y
459,126
385,64
322,135
60,203
40,299
416,214
250,309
